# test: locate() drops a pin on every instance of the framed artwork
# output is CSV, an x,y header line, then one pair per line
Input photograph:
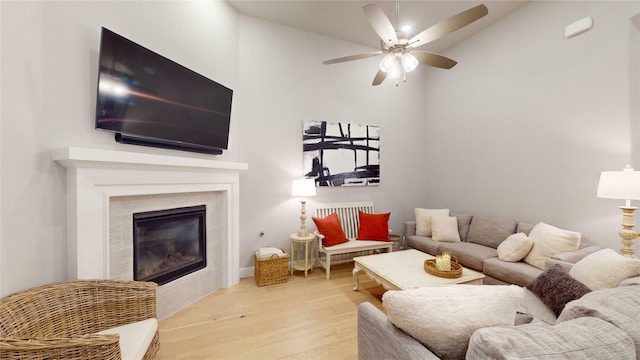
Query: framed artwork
x,y
341,154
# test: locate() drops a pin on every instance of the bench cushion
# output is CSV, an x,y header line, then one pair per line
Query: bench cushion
x,y
135,338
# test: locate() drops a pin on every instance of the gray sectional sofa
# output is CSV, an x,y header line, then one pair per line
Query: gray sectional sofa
x,y
480,237
603,324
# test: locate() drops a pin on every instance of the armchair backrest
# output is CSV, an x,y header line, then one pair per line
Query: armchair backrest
x,y
347,213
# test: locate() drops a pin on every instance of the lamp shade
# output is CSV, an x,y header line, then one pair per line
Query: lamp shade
x,y
409,62
388,62
624,185
303,188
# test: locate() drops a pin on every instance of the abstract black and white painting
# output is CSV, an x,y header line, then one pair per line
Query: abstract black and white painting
x,y
341,154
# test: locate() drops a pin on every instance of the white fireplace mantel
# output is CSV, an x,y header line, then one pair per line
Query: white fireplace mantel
x,y
95,175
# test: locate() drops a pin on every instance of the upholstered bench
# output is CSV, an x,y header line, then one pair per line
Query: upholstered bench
x,y
348,214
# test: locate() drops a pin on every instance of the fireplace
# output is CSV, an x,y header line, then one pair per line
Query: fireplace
x,y
169,244
105,188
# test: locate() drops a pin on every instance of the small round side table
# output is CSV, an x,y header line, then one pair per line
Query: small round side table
x,y
300,252
395,239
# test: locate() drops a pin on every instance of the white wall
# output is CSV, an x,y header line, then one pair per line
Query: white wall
x,y
520,128
282,82
49,72
524,124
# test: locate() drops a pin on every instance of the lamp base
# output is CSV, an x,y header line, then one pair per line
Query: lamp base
x,y
627,234
303,217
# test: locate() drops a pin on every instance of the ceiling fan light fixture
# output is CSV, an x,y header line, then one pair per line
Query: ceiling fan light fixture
x,y
409,62
388,62
398,60
396,71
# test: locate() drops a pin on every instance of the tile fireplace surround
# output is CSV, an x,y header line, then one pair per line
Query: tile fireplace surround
x,y
104,187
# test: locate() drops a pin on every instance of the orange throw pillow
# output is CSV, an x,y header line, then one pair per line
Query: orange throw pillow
x,y
373,226
331,229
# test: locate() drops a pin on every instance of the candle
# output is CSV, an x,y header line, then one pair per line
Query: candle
x,y
443,262
446,261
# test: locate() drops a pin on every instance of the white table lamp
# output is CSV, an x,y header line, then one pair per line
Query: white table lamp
x,y
623,185
303,188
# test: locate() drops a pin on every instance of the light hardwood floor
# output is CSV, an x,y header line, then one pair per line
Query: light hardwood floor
x,y
304,318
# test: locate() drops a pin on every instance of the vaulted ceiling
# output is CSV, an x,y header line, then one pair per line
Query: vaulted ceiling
x,y
345,19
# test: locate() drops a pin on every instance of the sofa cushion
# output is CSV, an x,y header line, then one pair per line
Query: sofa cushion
x,y
556,288
586,338
630,281
444,317
445,228
423,219
532,305
379,339
619,306
605,269
469,255
524,227
518,273
549,240
464,221
331,228
490,231
424,244
373,226
135,338
515,247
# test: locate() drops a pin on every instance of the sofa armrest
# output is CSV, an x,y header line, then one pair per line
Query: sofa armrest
x,y
379,339
569,258
409,228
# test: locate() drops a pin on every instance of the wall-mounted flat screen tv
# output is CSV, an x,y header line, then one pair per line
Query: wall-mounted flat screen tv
x,y
147,99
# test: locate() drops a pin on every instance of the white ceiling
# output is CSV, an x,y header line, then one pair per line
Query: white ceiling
x,y
345,19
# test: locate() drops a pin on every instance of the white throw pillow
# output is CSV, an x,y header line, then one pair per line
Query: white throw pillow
x,y
445,229
444,317
604,269
423,219
515,247
549,240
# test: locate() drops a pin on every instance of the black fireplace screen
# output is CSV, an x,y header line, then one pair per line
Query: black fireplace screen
x,y
168,244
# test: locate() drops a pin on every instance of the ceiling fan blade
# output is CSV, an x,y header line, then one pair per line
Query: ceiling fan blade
x,y
380,23
434,60
449,25
379,78
351,57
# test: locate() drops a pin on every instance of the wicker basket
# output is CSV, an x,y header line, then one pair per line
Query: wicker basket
x,y
273,270
455,272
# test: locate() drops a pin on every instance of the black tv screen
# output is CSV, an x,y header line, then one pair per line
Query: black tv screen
x,y
150,100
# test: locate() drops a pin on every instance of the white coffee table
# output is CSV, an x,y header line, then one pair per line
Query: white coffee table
x,y
401,270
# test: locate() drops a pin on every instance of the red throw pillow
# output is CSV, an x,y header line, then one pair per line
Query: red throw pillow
x,y
331,229
373,226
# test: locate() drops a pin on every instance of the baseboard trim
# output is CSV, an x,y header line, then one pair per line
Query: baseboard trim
x,y
247,272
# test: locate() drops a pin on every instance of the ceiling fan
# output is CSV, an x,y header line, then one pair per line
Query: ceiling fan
x,y
401,54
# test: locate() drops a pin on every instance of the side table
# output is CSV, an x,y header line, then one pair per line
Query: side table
x,y
300,252
395,239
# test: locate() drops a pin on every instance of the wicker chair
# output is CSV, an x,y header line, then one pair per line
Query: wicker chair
x,y
57,321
